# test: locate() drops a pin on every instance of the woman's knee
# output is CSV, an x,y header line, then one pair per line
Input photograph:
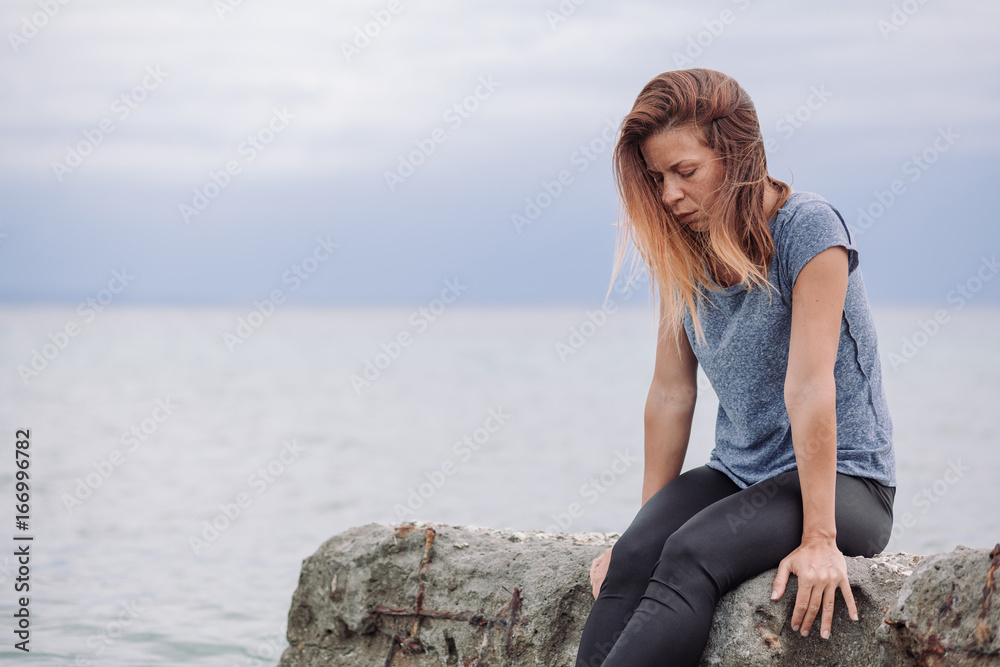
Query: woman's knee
x,y
866,540
689,551
688,573
863,515
863,510
632,559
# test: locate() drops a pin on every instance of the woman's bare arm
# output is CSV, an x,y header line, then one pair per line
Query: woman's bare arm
x,y
810,387
669,411
811,401
667,421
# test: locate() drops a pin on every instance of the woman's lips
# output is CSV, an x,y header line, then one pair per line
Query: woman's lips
x,y
684,217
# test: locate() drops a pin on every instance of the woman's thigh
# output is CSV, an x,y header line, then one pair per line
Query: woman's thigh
x,y
750,531
637,550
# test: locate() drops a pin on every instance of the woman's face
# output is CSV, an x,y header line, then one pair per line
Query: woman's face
x,y
688,174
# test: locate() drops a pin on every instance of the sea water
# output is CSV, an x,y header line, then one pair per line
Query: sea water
x,y
183,463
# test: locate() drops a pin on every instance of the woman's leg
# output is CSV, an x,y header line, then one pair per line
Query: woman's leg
x,y
637,550
725,544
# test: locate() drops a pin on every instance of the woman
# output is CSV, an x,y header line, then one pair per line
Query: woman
x,y
760,285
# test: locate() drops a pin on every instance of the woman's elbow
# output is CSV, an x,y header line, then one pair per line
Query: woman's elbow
x,y
670,400
808,392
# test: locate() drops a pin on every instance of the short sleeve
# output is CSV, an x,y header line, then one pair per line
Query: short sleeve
x,y
815,227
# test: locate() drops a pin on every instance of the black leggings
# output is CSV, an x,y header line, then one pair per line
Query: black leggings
x,y
699,537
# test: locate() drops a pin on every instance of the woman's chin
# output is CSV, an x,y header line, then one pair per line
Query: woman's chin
x,y
697,226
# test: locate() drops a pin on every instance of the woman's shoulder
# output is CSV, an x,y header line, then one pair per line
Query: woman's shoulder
x,y
810,224
802,205
802,199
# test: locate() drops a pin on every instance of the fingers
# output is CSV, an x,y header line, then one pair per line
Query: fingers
x,y
598,571
845,588
778,588
829,595
817,589
810,600
801,606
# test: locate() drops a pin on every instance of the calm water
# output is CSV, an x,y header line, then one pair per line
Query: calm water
x,y
146,429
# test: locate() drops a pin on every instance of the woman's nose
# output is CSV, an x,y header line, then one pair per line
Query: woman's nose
x,y
671,194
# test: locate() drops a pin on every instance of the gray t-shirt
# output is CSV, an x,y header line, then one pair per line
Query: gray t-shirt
x,y
746,355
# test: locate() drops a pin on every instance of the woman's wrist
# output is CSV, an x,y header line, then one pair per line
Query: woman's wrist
x,y
819,537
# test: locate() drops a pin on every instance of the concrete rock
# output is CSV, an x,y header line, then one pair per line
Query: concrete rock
x,y
947,612
423,594
751,630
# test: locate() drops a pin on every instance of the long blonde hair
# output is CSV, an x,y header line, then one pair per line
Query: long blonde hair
x,y
738,239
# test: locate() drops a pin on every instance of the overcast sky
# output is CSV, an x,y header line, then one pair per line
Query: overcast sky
x,y
216,150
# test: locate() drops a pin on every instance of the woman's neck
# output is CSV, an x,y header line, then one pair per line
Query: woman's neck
x,y
725,278
773,200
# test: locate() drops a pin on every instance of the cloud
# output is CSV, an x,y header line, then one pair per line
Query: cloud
x,y
227,74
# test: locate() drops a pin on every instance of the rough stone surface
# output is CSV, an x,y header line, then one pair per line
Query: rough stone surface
x,y
484,597
751,630
947,612
424,594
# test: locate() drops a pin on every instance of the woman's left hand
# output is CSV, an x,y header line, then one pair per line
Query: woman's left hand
x,y
821,569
